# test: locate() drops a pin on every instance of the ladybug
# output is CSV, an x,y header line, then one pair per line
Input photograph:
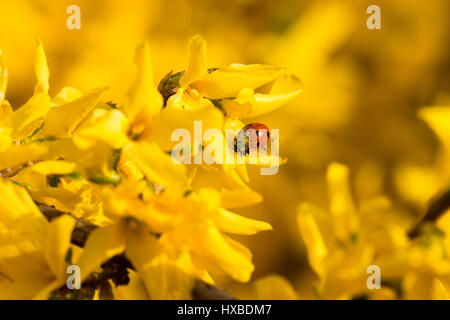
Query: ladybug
x,y
250,138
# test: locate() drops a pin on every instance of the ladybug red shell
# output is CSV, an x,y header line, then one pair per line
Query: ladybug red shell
x,y
251,137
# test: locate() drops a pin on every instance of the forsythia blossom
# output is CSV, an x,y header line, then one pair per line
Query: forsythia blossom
x,y
109,165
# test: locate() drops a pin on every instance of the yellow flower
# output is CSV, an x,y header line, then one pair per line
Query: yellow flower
x,y
171,241
17,125
423,266
341,244
61,121
97,130
242,90
217,97
33,251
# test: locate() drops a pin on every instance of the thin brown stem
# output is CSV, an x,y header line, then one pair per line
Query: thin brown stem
x,y
439,204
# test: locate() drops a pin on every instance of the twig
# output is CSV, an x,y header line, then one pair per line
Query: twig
x,y
439,204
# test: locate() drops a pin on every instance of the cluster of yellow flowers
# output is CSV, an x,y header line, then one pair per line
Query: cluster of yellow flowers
x,y
413,257
350,245
109,165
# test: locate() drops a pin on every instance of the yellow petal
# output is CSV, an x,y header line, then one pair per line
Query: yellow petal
x,y
241,170
223,253
109,127
157,165
218,177
230,222
20,215
197,62
228,82
235,198
5,139
187,99
44,293
233,124
312,237
23,277
143,98
5,109
134,290
341,201
169,120
41,69
36,174
438,118
164,278
251,104
62,199
268,160
129,169
53,167
19,154
3,78
61,121
66,95
274,287
94,162
425,179
209,197
57,245
29,117
102,244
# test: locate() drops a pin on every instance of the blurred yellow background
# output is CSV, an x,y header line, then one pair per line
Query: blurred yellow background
x,y
362,90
